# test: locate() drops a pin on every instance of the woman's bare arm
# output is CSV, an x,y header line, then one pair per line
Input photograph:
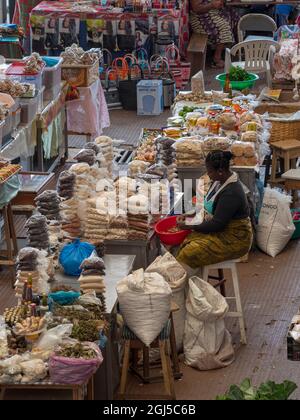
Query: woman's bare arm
x,y
199,7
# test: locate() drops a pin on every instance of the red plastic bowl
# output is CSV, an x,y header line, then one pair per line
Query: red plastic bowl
x,y
162,227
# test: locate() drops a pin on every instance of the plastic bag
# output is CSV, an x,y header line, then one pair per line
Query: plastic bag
x,y
3,339
275,225
73,255
74,371
52,338
64,298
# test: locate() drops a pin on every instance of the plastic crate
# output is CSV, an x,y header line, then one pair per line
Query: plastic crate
x,y
297,225
52,93
16,71
29,109
1,131
16,118
52,73
7,128
80,75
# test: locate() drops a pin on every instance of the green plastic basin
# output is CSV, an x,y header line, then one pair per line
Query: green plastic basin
x,y
247,84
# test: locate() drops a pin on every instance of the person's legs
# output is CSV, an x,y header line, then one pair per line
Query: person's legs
x,y
219,63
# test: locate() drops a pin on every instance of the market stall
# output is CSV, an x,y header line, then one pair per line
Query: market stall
x,y
57,25
102,383
9,188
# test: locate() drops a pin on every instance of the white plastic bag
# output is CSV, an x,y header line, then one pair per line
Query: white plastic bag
x,y
207,343
275,225
53,337
3,339
145,303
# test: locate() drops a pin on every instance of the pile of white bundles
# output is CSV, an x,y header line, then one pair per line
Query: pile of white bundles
x,y
107,149
98,216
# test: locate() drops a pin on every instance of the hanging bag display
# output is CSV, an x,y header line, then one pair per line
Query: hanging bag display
x,y
143,61
111,88
128,91
121,67
181,70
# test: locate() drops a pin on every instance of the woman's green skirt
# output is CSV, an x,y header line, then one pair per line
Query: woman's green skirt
x,y
200,249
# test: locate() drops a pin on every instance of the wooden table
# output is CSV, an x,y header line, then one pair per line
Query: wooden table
x,y
108,375
78,391
292,183
32,184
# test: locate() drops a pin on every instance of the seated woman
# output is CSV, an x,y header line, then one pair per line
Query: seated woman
x,y
226,233
218,22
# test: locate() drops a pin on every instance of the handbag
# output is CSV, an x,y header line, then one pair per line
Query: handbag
x,y
181,70
122,70
128,91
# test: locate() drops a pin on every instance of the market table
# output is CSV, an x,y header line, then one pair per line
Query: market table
x,y
106,378
78,391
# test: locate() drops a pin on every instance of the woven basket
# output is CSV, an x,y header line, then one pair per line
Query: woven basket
x,y
281,130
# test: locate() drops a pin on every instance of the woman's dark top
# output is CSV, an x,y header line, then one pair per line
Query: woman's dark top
x,y
230,204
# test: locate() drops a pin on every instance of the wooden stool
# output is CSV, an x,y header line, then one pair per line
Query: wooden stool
x,y
163,343
7,256
231,265
292,182
289,151
145,376
197,52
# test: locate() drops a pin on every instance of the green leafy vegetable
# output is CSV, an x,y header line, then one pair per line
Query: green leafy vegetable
x,y
267,391
238,74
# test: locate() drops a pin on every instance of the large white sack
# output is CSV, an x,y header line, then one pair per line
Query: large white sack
x,y
176,276
275,225
179,297
168,267
207,343
145,303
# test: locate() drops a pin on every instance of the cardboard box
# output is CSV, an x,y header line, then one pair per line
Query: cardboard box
x,y
150,97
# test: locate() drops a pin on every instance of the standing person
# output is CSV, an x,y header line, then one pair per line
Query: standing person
x,y
218,22
226,233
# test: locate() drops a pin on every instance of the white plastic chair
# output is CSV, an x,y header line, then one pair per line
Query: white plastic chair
x,y
256,22
259,56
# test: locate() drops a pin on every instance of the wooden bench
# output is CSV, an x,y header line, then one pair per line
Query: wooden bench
x,y
197,52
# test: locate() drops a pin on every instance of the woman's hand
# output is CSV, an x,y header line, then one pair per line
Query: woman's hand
x,y
181,223
217,4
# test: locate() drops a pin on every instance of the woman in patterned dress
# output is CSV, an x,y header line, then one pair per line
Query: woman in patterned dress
x,y
212,18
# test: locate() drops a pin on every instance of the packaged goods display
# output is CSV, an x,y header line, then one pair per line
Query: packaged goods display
x,y
48,204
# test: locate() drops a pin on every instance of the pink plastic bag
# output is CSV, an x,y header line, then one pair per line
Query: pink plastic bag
x,y
64,370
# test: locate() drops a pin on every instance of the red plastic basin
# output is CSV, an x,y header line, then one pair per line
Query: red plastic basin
x,y
162,227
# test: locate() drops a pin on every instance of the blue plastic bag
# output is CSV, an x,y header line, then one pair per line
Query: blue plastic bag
x,y
72,256
64,298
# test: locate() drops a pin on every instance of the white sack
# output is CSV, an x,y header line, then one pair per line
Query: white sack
x,y
207,343
173,272
275,225
145,303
